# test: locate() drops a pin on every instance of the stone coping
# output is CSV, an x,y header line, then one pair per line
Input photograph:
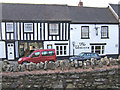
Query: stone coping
x,y
58,71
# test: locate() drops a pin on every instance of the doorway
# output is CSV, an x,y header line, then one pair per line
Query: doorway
x,y
10,51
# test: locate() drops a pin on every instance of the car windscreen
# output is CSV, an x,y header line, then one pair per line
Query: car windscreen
x,y
81,54
30,54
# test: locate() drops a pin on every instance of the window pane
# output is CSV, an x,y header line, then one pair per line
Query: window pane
x,y
51,53
49,46
28,27
64,50
102,49
60,47
53,29
61,50
57,50
104,32
9,27
85,32
37,54
97,49
44,53
92,48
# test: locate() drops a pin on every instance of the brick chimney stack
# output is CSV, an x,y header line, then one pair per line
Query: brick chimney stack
x,y
80,4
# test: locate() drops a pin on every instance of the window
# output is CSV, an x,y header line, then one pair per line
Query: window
x,y
85,32
99,49
28,27
65,52
57,50
61,50
36,54
49,46
9,27
53,29
48,53
104,32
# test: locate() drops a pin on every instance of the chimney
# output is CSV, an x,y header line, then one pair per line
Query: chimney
x,y
80,4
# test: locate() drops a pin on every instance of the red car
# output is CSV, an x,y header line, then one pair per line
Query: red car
x,y
39,56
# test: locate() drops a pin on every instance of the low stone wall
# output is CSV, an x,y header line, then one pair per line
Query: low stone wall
x,y
92,74
77,78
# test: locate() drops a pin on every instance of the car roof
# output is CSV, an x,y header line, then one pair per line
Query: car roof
x,y
88,53
45,50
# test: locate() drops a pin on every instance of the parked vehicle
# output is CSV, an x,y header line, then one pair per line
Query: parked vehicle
x,y
85,56
39,56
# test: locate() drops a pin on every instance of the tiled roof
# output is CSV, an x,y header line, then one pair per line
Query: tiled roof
x,y
35,12
92,15
39,12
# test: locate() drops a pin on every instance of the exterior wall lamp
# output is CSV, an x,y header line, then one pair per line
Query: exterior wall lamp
x,y
96,30
73,43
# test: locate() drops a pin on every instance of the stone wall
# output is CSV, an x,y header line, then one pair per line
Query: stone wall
x,y
93,79
104,73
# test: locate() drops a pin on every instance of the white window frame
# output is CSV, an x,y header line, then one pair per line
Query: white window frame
x,y
85,32
102,50
9,27
53,29
104,32
28,27
63,50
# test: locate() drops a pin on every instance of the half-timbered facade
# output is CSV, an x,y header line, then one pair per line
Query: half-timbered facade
x,y
40,26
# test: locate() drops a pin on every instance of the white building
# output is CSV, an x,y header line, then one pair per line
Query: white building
x,y
26,27
94,30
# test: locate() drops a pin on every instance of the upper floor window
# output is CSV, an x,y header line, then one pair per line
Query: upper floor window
x,y
85,32
28,27
53,29
9,27
104,32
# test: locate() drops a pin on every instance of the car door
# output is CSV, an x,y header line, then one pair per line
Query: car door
x,y
35,58
44,56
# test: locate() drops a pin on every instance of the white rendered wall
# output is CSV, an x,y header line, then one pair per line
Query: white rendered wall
x,y
16,49
112,43
2,50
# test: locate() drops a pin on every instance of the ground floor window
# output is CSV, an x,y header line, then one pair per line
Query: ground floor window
x,y
25,48
61,50
49,46
99,49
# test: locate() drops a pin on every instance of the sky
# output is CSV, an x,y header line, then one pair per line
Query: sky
x,y
88,3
